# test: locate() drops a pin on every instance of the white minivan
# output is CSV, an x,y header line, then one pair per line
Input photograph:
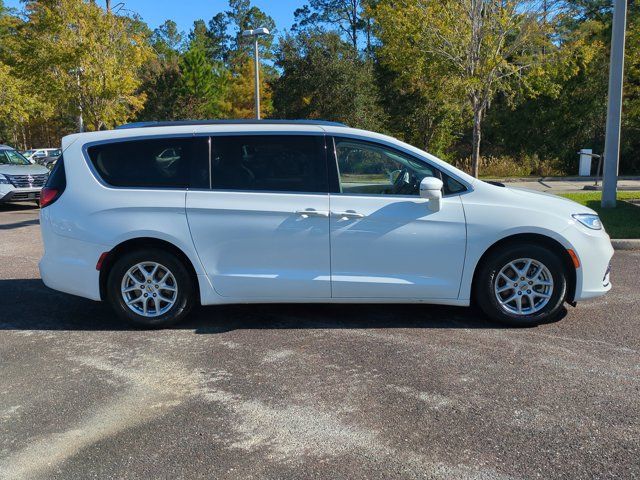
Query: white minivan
x,y
156,217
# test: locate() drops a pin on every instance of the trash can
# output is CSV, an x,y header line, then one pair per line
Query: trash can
x,y
585,162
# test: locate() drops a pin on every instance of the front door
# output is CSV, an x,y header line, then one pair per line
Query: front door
x,y
385,241
262,230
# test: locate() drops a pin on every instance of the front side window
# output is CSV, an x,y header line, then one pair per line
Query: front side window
x,y
374,169
153,163
368,168
273,163
11,157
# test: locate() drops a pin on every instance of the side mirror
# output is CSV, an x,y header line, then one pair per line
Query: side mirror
x,y
431,189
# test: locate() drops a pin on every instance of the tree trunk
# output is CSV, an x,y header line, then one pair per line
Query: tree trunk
x,y
478,110
24,138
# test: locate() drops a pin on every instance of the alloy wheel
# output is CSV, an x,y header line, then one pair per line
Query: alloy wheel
x,y
523,286
149,289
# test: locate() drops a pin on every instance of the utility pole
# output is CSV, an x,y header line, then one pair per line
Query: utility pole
x,y
254,34
614,106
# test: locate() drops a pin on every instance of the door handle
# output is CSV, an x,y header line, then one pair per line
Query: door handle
x,y
349,214
312,213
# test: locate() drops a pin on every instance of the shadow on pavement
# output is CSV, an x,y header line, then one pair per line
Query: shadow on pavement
x,y
16,207
26,304
23,223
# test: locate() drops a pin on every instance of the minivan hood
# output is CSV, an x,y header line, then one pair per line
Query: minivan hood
x,y
547,201
23,169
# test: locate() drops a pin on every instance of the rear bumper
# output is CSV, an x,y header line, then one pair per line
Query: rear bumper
x,y
68,264
21,195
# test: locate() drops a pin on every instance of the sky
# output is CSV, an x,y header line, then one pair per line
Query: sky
x,y
185,12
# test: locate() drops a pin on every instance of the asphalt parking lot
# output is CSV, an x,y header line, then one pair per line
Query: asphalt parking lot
x,y
286,391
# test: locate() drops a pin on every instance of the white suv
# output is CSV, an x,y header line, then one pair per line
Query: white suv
x,y
158,217
20,181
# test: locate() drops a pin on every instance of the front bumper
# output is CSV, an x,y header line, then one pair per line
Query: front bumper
x,y
21,195
594,251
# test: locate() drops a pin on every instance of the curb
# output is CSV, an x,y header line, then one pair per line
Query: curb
x,y
626,244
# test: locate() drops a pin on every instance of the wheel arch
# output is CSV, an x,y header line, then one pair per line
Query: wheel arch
x,y
139,243
537,238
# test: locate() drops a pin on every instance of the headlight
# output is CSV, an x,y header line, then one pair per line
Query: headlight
x,y
589,220
4,180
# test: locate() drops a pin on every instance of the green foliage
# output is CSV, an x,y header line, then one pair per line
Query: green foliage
x,y
83,56
347,17
202,88
324,77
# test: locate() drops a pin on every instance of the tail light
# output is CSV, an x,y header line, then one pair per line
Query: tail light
x,y
56,183
48,196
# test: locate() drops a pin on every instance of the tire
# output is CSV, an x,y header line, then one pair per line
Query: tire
x,y
541,295
165,302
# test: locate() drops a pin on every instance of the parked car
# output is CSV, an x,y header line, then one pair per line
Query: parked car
x,y
48,162
157,218
35,155
19,180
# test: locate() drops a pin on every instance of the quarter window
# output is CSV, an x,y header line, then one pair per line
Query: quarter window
x,y
277,163
153,163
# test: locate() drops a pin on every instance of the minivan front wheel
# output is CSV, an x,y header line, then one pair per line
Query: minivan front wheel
x,y
522,285
150,288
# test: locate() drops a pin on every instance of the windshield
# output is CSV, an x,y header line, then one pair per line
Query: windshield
x,y
11,157
28,152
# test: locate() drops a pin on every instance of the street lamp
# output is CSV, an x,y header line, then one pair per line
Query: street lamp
x,y
255,34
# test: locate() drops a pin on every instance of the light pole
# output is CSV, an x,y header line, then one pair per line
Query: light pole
x,y
614,106
255,34
77,72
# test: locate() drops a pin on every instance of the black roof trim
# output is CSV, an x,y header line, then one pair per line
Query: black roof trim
x,y
177,123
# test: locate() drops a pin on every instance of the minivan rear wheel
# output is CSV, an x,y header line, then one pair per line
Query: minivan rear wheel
x,y
522,285
150,288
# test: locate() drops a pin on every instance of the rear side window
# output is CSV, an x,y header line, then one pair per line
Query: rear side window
x,y
280,163
57,178
153,163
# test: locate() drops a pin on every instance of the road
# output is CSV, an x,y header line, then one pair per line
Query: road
x,y
243,392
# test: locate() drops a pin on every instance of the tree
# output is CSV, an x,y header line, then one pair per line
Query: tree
x,y
346,16
160,75
481,47
18,105
166,40
202,88
219,37
199,37
85,57
324,78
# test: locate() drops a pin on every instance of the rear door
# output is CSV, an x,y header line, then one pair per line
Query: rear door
x,y
262,229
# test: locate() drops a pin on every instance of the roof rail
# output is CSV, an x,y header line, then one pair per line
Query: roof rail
x,y
174,123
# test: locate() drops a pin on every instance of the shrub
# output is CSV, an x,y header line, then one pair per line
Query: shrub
x,y
504,166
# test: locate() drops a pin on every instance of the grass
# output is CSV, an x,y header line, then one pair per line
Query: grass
x,y
620,222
